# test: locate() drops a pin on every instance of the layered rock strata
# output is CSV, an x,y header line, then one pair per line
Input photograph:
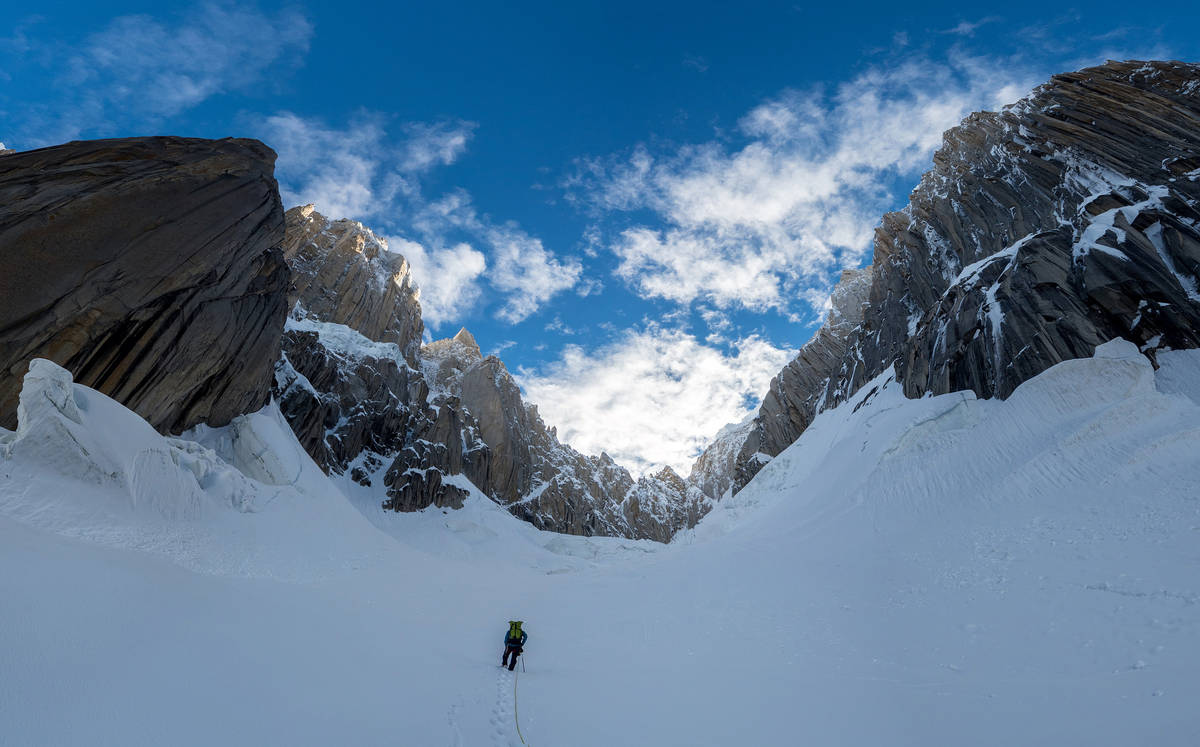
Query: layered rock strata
x,y
1042,231
149,268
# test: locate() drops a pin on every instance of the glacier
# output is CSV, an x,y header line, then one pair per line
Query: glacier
x,y
943,570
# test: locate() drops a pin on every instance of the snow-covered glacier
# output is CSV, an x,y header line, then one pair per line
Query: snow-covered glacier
x,y
944,570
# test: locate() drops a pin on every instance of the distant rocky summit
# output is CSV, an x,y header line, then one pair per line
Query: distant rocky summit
x,y
368,400
149,268
1064,221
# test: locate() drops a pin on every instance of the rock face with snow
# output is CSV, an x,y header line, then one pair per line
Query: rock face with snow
x,y
367,400
540,479
346,379
806,385
1069,219
712,472
344,274
343,393
149,268
350,378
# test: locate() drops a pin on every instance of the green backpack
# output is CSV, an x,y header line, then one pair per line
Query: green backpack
x,y
514,631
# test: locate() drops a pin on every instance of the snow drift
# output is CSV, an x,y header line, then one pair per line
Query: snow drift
x,y
945,570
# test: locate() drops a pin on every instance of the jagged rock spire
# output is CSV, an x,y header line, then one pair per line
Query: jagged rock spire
x,y
467,339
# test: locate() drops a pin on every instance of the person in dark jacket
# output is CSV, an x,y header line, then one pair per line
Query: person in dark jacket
x,y
514,644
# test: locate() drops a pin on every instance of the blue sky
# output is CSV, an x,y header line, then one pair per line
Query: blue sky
x,y
640,207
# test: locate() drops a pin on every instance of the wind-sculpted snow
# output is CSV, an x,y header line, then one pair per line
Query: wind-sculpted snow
x,y
943,570
83,465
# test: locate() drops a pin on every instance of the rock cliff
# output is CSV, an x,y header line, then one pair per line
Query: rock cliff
x,y
1042,231
365,398
344,274
149,268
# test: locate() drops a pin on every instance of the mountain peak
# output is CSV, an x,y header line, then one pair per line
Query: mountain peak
x,y
466,338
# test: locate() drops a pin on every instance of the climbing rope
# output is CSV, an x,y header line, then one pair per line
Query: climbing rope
x,y
516,720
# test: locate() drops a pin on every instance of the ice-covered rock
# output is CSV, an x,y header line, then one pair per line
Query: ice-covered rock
x,y
1066,220
712,473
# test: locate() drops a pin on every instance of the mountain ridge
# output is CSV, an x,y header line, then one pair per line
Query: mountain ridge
x,y
410,424
1066,220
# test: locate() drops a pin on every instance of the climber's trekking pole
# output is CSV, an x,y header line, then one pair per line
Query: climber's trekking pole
x,y
522,663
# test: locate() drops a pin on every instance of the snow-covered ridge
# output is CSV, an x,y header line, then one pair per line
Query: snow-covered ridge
x,y
241,500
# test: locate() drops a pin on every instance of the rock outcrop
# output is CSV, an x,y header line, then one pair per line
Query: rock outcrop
x,y
344,394
712,472
1044,230
348,379
424,423
149,268
806,385
544,481
344,274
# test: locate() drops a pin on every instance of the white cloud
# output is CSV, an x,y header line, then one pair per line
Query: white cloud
x,y
448,278
652,397
358,172
523,270
589,286
361,172
344,172
759,225
558,325
968,28
500,347
437,144
139,70
528,273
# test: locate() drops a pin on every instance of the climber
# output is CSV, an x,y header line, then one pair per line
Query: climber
x,y
514,642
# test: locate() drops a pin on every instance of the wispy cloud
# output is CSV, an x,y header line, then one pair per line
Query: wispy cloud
x,y
968,28
427,145
558,325
139,70
348,172
527,272
364,171
449,278
765,221
359,172
652,397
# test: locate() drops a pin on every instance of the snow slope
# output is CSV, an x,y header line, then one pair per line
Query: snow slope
x,y
936,571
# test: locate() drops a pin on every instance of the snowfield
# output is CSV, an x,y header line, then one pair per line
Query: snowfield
x,y
942,571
